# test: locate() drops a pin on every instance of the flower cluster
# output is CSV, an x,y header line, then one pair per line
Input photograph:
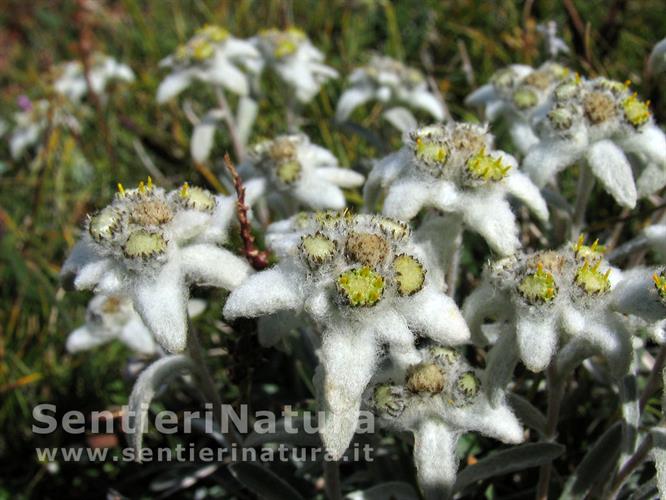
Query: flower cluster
x,y
539,303
438,399
71,80
517,93
390,82
211,56
295,60
454,168
150,245
299,173
365,284
602,122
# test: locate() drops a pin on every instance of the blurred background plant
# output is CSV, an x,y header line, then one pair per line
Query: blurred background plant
x,y
127,136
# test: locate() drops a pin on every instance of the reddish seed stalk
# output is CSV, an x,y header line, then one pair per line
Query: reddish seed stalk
x,y
258,259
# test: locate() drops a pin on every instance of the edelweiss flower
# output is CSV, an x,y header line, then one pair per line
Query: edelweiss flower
x,y
33,119
112,317
601,122
365,284
151,245
438,399
211,56
299,173
393,83
296,61
554,44
453,168
517,93
545,300
71,81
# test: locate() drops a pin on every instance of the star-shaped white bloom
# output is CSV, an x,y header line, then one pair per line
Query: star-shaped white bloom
x,y
299,174
453,168
554,44
542,302
296,61
211,56
150,246
71,81
390,82
438,399
112,317
517,93
601,122
32,121
365,285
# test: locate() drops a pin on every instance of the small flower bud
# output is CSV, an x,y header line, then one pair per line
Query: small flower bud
x,y
636,111
317,249
485,167
538,287
361,287
525,98
591,280
389,400
425,378
446,355
104,224
366,248
467,388
599,107
409,274
142,244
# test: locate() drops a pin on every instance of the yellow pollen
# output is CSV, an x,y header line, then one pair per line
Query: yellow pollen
x,y
636,111
539,286
591,280
185,190
121,190
483,166
660,284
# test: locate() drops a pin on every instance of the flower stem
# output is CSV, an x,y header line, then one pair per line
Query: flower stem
x,y
230,121
555,389
583,192
332,480
653,380
208,385
631,465
258,259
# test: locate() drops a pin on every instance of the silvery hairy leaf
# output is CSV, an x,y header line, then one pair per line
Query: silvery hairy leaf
x,y
144,390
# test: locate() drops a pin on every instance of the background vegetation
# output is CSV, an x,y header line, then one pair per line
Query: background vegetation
x,y
43,200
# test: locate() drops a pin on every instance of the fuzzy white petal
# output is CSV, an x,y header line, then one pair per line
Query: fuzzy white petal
x,y
348,358
435,315
651,179
483,303
492,218
536,335
210,265
401,118
383,173
405,199
318,194
481,95
342,177
522,135
161,302
246,114
137,337
425,100
649,141
173,85
202,139
83,339
609,164
435,458
266,292
545,159
520,186
350,100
